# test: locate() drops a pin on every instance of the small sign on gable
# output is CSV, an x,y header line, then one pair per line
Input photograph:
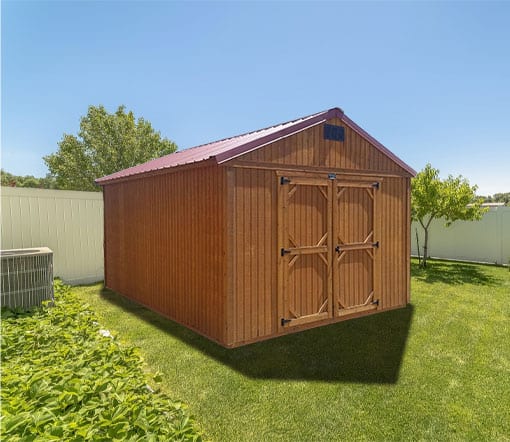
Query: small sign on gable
x,y
335,133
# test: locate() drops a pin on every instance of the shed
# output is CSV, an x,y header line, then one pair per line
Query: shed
x,y
297,225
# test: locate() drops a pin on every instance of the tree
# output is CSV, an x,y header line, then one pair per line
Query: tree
x,y
497,198
502,198
10,180
106,143
451,199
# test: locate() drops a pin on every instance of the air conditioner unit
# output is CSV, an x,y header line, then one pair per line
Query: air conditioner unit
x,y
27,277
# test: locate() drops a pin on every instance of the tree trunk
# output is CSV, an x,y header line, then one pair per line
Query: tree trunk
x,y
425,246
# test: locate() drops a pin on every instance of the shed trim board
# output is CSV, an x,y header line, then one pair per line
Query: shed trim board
x,y
287,231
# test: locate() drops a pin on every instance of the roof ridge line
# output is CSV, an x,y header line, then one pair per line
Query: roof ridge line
x,y
254,131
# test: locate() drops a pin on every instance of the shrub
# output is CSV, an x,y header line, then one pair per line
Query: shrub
x,y
63,378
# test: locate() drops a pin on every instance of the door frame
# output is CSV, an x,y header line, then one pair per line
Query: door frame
x,y
331,181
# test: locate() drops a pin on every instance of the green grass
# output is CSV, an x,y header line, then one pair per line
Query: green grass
x,y
437,370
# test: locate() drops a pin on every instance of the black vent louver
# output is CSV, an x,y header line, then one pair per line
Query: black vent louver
x,y
335,133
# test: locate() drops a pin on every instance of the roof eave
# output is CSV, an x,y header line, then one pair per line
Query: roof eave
x,y
162,170
379,146
238,151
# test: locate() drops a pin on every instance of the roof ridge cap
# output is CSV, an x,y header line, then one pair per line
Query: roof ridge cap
x,y
258,130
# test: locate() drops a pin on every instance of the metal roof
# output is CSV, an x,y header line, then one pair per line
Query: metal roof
x,y
230,148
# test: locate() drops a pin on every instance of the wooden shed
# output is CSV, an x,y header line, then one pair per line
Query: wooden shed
x,y
293,226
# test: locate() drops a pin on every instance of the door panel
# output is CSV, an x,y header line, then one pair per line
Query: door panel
x,y
327,238
353,268
305,256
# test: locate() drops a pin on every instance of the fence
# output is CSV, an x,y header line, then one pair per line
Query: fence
x,y
69,223
487,240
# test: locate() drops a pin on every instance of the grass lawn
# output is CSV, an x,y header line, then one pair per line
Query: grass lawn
x,y
437,370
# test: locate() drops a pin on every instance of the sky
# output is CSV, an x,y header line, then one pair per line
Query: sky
x,y
429,80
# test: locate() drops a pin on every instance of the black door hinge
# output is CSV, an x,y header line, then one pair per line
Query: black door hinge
x,y
284,180
376,302
285,321
284,252
376,244
376,185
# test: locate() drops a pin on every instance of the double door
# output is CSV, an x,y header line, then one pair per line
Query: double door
x,y
328,245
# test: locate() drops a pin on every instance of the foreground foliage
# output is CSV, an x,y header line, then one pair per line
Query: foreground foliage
x,y
63,378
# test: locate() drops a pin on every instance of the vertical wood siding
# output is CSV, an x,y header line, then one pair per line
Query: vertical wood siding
x,y
165,245
394,256
201,245
254,254
308,148
254,226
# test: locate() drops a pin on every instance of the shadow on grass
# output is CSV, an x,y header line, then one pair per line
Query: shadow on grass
x,y
363,350
452,273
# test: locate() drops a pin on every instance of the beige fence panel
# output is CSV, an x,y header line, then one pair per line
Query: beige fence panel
x,y
69,223
487,240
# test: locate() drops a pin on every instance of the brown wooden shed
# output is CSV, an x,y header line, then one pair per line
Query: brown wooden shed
x,y
294,226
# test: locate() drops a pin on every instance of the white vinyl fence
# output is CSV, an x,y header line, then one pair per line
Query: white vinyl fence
x,y
487,240
69,223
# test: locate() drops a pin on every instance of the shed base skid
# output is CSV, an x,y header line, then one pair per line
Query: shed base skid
x,y
309,326
284,332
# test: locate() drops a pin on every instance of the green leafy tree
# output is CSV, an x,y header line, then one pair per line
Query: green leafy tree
x,y
8,179
451,199
497,198
502,198
106,143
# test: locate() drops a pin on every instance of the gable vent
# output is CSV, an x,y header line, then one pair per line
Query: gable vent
x,y
332,132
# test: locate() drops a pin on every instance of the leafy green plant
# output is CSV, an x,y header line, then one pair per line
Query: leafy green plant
x,y
452,199
63,378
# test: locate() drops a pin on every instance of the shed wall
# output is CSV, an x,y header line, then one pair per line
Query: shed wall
x,y
395,249
165,245
255,299
200,244
309,148
256,251
255,254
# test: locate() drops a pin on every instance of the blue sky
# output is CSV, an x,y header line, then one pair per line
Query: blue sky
x,y
430,80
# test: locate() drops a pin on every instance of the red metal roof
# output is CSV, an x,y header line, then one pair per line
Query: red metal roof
x,y
229,148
